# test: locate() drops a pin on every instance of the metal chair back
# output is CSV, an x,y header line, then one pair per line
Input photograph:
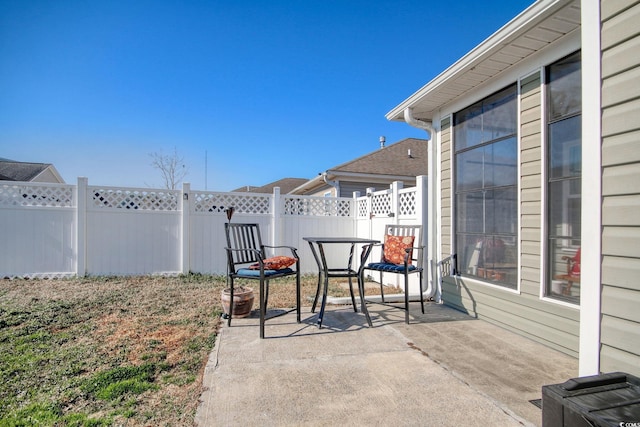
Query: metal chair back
x,y
246,243
408,230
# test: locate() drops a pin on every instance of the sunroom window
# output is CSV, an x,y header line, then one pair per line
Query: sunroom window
x,y
486,154
564,160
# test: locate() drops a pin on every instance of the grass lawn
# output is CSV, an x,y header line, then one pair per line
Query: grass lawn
x,y
115,350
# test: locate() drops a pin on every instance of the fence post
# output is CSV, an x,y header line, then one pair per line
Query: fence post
x,y
185,216
354,214
370,191
81,226
395,201
275,220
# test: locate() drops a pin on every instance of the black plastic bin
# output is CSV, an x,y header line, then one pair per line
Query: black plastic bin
x,y
601,400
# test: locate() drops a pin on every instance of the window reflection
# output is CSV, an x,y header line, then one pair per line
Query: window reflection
x,y
564,200
486,191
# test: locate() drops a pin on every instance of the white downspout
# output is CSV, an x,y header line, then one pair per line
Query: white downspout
x,y
334,184
433,288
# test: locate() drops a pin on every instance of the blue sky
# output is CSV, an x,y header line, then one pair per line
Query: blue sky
x,y
263,89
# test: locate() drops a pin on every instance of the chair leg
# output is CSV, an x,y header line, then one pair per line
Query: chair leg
x,y
262,308
230,303
381,290
406,298
266,293
298,296
421,294
353,298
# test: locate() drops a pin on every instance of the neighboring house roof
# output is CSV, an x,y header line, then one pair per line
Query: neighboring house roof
x,y
538,26
400,161
285,184
26,172
404,158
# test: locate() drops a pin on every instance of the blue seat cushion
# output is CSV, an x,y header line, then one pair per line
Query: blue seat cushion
x,y
256,273
387,266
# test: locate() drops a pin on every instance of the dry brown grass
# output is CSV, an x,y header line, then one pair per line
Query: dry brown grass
x,y
58,336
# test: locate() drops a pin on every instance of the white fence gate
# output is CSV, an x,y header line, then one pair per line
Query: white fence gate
x,y
61,230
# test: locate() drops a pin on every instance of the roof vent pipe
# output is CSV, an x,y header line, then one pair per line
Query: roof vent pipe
x,y
382,141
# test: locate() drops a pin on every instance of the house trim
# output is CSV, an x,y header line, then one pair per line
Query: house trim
x,y
453,76
591,266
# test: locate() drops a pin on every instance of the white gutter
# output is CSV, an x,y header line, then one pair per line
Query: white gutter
x,y
433,288
309,184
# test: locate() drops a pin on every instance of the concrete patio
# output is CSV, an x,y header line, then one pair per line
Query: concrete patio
x,y
444,369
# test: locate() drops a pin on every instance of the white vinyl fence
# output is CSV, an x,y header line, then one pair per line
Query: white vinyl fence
x,y
61,230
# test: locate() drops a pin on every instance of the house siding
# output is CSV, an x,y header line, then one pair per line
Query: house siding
x,y
445,187
620,44
347,188
524,312
530,183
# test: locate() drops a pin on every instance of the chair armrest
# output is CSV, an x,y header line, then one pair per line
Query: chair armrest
x,y
293,250
410,250
275,247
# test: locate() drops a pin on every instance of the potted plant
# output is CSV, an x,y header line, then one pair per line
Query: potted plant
x,y
243,296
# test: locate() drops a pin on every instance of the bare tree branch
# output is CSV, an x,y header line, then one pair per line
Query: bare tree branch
x,y
171,167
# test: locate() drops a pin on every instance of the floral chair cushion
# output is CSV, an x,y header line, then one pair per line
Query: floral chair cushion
x,y
394,248
275,263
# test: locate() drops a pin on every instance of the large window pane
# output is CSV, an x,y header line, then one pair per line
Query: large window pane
x,y
469,167
486,188
564,209
565,148
470,212
499,118
501,210
501,159
564,204
468,130
564,87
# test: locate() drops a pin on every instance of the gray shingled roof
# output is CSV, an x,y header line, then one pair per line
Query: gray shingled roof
x,y
391,160
285,184
20,171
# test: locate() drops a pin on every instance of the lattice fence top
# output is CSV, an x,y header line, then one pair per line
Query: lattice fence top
x,y
318,206
362,207
134,199
62,195
40,195
407,203
381,204
218,202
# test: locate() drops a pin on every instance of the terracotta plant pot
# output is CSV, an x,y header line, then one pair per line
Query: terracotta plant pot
x,y
242,301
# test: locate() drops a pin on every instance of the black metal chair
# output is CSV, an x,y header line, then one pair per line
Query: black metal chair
x,y
407,259
245,249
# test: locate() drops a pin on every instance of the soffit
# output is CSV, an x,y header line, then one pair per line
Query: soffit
x,y
537,27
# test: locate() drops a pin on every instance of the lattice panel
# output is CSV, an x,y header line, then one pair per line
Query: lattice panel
x,y
36,195
407,203
318,206
381,204
218,202
362,208
134,199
